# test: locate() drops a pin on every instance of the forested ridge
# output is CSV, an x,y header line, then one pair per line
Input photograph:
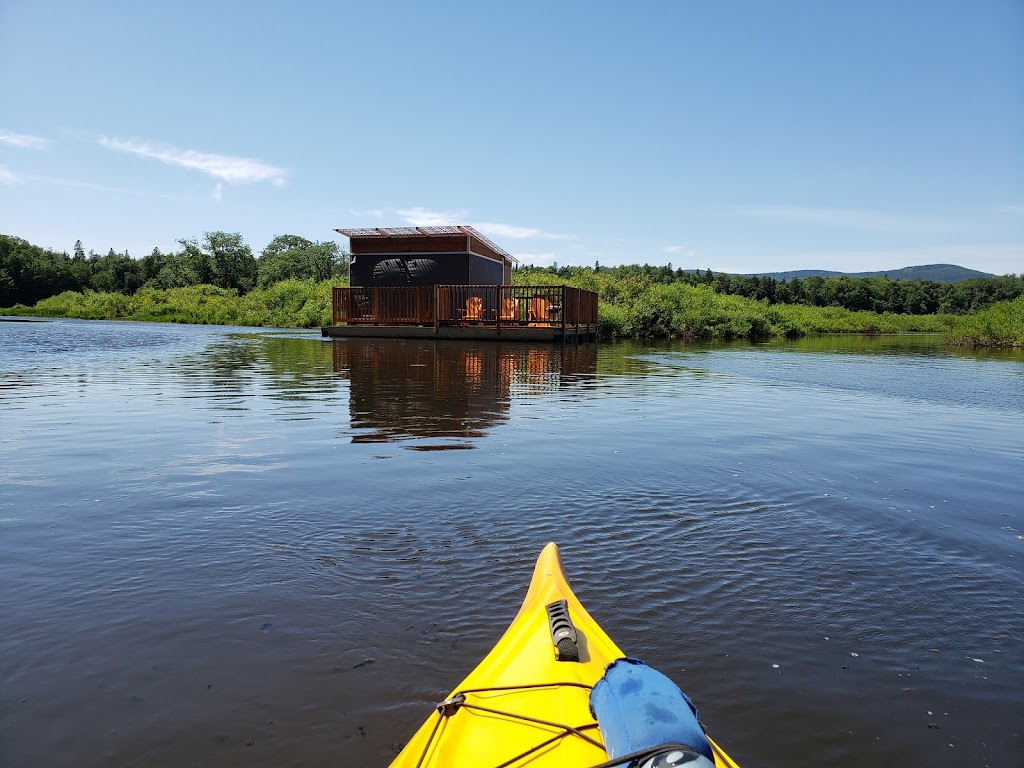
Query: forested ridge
x,y
29,273
872,294
942,273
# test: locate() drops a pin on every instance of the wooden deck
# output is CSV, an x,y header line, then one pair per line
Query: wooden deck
x,y
499,312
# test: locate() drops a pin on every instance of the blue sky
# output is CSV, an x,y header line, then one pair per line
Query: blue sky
x,y
737,136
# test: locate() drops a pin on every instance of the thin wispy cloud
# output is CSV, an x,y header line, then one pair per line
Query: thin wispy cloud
x,y
512,232
375,213
845,218
681,249
1013,210
7,176
536,259
23,140
218,192
226,168
75,184
423,217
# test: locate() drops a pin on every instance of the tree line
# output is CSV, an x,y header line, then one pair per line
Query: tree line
x,y
874,294
29,273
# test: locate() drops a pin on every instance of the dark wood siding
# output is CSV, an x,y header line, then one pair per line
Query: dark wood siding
x,y
483,249
484,271
459,259
409,244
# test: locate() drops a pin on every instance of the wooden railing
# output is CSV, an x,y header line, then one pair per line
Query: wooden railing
x,y
536,306
399,306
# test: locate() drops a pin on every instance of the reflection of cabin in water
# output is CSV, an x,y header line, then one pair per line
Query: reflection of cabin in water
x,y
450,282
442,395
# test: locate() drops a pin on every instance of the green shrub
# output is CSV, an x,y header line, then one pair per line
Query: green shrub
x,y
631,306
1000,325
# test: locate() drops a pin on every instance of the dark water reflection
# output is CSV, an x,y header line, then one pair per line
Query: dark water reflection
x,y
415,389
231,547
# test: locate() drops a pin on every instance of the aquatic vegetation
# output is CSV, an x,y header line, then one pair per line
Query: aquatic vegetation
x,y
1000,325
631,307
698,312
288,304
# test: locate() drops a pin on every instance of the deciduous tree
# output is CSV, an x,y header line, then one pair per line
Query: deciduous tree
x,y
290,257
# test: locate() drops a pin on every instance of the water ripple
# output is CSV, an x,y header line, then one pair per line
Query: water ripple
x,y
214,536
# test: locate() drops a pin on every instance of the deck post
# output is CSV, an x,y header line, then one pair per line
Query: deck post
x,y
437,298
577,313
562,315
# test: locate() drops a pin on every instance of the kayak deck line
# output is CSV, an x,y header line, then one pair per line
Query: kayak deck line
x,y
452,704
457,701
528,702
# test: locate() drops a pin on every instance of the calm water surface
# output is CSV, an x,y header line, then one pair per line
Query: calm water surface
x,y
225,547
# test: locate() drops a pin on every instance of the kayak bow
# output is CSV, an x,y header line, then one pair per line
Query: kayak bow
x,y
522,705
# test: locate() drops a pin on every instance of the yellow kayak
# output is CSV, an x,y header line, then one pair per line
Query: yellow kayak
x,y
523,706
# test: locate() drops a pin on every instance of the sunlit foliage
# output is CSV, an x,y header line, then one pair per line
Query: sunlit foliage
x,y
217,280
1001,325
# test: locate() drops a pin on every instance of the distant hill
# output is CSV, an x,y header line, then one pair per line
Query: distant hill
x,y
939,273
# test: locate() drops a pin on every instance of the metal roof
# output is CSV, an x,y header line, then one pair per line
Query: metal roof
x,y
425,231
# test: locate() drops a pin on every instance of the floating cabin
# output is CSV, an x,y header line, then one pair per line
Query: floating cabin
x,y
450,283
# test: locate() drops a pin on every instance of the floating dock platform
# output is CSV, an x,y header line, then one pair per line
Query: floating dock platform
x,y
473,312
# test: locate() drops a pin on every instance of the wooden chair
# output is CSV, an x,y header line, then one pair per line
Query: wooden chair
x,y
509,310
539,311
474,309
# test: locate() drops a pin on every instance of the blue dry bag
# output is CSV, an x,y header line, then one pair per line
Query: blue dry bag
x,y
638,708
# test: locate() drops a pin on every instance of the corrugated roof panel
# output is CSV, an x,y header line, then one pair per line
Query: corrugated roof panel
x,y
434,231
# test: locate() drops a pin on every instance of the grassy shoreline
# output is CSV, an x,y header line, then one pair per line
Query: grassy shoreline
x,y
655,311
1000,326
288,304
697,312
